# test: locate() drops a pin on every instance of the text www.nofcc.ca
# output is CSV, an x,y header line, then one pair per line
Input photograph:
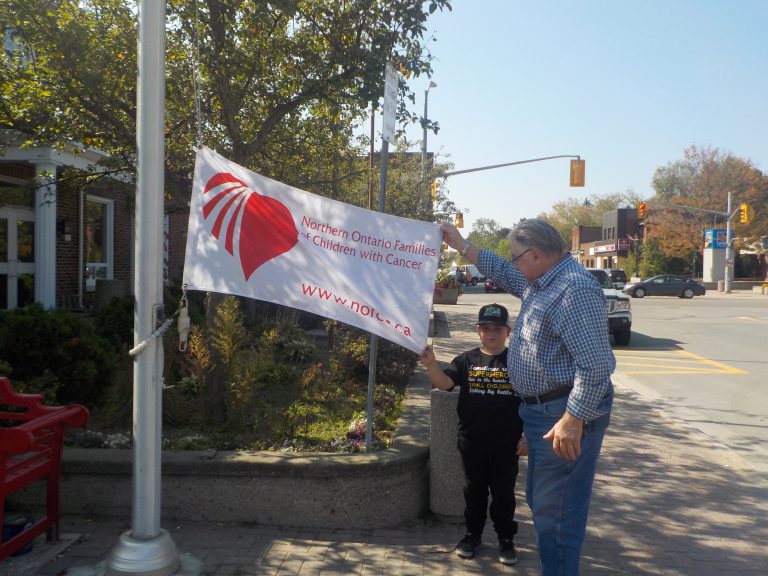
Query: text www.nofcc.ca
x,y
357,307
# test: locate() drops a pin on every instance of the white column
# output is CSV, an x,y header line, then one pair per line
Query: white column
x,y
45,235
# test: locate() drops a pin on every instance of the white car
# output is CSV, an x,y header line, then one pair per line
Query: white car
x,y
618,308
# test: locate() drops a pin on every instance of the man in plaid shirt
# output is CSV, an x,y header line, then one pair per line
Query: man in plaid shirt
x,y
559,362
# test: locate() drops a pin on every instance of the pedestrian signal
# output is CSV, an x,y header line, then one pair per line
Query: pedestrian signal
x,y
642,210
459,220
744,213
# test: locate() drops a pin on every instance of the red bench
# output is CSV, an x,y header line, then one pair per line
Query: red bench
x,y
31,437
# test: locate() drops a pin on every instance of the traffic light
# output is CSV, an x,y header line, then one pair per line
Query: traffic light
x,y
459,220
744,213
434,190
577,172
642,210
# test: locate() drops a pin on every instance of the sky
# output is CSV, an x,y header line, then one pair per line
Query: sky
x,y
626,85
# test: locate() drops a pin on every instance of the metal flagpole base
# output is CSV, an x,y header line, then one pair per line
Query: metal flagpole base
x,y
155,557
143,557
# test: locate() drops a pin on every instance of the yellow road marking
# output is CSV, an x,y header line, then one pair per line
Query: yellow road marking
x,y
669,362
751,319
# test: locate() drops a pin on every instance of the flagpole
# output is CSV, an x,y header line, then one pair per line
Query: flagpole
x,y
391,80
147,548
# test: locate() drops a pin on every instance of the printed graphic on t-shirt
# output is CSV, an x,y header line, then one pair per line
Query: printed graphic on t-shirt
x,y
489,381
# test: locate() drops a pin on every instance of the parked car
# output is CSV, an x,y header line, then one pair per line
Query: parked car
x,y
618,277
491,286
476,274
666,285
468,274
461,275
618,308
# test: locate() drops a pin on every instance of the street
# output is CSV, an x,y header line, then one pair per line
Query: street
x,y
702,361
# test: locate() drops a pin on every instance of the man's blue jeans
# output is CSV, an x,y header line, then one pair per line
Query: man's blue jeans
x,y
559,490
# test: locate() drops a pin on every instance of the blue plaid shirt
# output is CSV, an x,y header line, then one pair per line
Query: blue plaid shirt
x,y
561,334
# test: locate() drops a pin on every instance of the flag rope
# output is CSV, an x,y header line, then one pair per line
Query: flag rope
x,y
196,77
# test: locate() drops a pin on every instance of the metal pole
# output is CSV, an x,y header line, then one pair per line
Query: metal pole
x,y
370,157
374,340
424,138
728,249
372,354
635,243
457,172
147,549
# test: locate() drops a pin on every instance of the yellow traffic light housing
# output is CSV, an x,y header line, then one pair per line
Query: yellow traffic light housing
x,y
578,168
744,215
459,223
642,210
434,190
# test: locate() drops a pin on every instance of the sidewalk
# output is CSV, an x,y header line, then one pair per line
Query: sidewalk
x,y
666,502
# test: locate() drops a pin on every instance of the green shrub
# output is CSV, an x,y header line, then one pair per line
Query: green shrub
x,y
289,343
56,353
114,322
349,357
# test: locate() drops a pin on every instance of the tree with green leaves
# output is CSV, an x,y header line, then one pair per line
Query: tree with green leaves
x,y
487,233
702,180
282,85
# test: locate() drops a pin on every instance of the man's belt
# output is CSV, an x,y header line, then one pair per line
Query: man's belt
x,y
547,396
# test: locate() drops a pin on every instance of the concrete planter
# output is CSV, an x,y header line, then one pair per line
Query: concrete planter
x,y
445,296
353,491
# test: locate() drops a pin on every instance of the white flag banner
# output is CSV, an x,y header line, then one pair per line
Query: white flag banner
x,y
255,237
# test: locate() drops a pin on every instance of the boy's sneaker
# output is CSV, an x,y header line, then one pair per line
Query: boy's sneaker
x,y
466,548
507,552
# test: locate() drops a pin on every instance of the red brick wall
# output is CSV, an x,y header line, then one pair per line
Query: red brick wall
x,y
177,245
68,251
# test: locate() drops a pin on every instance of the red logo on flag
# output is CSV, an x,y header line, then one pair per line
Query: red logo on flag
x,y
266,227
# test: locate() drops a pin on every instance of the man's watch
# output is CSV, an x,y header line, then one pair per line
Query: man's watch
x,y
467,246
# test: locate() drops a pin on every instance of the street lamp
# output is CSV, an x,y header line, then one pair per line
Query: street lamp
x,y
424,122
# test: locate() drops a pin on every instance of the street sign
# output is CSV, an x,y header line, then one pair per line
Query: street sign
x,y
390,103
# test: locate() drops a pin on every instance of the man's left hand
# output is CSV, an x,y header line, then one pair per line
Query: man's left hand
x,y
566,436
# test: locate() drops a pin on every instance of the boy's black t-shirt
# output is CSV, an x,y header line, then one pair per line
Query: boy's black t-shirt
x,y
487,407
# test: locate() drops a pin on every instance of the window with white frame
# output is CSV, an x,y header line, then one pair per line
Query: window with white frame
x,y
99,229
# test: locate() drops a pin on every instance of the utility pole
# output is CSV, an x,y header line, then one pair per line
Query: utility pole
x,y
425,170
728,248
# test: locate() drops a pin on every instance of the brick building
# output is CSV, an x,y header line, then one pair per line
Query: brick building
x,y
63,243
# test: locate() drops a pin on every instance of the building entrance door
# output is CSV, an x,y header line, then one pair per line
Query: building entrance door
x,y
17,258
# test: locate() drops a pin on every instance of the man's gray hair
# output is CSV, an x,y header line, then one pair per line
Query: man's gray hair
x,y
534,233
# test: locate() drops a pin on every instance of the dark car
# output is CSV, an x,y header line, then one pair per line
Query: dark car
x,y
618,277
491,286
665,285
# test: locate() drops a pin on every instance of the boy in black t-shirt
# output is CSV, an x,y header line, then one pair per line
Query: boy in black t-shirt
x,y
489,431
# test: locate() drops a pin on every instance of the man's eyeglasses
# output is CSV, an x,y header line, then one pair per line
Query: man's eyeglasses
x,y
516,258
